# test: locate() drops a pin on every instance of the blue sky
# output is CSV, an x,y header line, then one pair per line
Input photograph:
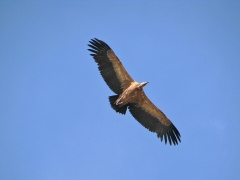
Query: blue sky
x,y
55,118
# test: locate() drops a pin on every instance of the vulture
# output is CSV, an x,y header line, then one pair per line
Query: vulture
x,y
130,94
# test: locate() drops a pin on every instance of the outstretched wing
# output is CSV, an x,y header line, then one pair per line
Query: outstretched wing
x,y
152,118
110,67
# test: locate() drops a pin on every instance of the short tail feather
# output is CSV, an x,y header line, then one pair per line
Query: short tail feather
x,y
112,100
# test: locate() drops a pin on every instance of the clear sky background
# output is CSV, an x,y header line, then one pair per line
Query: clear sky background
x,y
55,118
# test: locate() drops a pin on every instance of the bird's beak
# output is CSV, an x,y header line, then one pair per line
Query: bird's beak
x,y
144,84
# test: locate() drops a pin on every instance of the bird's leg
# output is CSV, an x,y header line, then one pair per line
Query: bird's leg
x,y
119,101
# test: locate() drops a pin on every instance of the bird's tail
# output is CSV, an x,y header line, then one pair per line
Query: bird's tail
x,y
117,108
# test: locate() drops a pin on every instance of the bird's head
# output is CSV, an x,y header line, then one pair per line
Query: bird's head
x,y
141,85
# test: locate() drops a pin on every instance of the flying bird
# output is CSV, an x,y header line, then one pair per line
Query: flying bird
x,y
130,94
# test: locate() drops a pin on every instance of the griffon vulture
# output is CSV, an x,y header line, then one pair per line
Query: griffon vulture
x,y
130,94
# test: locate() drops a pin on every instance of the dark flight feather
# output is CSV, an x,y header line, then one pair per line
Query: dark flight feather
x,y
168,133
111,73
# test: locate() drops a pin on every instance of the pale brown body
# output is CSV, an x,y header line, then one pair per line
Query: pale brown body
x,y
130,94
